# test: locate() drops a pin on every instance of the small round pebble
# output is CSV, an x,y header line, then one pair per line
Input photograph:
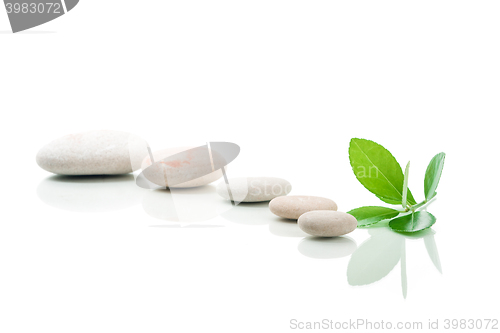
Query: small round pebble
x,y
292,207
254,189
327,223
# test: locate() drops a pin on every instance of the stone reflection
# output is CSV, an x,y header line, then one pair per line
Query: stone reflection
x,y
90,193
285,228
327,248
185,205
253,213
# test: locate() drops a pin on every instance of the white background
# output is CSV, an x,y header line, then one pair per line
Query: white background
x,y
290,82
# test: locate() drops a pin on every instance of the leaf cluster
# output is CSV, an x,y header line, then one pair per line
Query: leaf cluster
x,y
380,173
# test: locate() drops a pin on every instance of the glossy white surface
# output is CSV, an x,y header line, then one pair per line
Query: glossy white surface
x,y
119,260
291,83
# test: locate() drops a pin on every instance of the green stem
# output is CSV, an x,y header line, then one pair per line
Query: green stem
x,y
411,209
421,205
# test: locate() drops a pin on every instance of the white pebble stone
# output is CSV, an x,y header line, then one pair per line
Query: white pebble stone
x,y
254,189
90,153
327,223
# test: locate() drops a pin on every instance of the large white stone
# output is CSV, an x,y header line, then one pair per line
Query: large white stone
x,y
100,152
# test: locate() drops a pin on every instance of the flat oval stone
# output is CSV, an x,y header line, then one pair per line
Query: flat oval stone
x,y
90,153
254,189
292,207
175,168
327,223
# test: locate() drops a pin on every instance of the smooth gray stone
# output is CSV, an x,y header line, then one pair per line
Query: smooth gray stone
x,y
327,223
292,207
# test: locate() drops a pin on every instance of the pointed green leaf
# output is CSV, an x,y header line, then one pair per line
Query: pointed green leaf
x,y
369,215
413,222
405,184
378,171
390,202
432,175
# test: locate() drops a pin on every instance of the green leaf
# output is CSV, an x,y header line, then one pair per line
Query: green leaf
x,y
405,184
432,175
390,202
378,171
369,215
413,222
